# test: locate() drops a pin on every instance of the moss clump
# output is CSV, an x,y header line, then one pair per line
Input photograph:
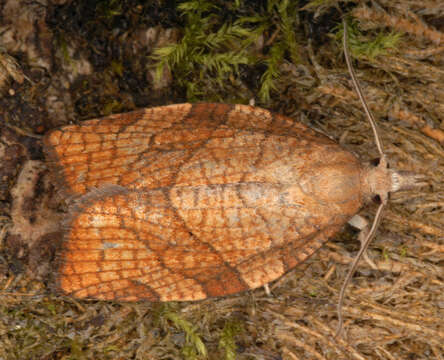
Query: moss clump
x,y
220,38
194,348
227,340
361,46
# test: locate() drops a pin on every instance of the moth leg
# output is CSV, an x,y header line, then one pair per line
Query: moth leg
x,y
362,224
267,290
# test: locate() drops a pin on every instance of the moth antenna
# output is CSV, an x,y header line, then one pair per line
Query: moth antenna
x,y
378,216
358,89
354,265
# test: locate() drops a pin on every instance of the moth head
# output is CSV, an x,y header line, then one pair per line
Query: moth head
x,y
379,180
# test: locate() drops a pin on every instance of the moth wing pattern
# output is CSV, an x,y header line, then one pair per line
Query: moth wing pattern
x,y
185,202
131,245
122,148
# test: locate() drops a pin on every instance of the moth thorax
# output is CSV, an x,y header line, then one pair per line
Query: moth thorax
x,y
376,181
335,183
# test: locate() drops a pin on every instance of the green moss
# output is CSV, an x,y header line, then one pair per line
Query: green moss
x,y
107,9
112,107
315,4
117,67
403,251
213,49
62,44
227,341
364,46
385,254
194,348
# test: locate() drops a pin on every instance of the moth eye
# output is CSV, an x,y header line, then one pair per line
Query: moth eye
x,y
377,199
375,162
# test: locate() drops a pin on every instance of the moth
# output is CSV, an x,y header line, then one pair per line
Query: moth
x,y
190,201
185,202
